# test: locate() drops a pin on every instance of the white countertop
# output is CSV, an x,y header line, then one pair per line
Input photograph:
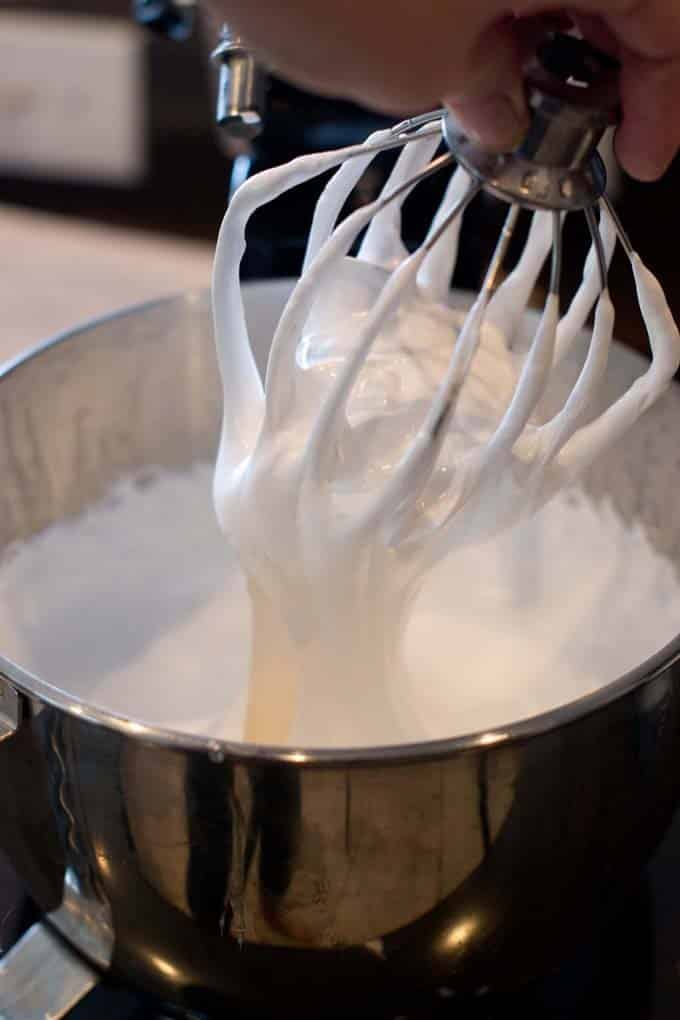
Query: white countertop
x,y
56,273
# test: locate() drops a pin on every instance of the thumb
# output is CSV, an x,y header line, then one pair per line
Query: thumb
x,y
490,106
649,135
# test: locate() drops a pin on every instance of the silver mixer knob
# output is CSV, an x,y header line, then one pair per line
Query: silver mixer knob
x,y
241,88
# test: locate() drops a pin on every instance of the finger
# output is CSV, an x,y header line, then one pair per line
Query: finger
x,y
492,107
490,104
649,135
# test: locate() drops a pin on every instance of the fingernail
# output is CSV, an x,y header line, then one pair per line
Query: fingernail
x,y
498,122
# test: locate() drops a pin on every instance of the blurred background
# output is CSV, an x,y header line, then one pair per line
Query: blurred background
x,y
114,174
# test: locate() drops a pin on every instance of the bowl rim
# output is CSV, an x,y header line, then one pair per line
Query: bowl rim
x,y
219,750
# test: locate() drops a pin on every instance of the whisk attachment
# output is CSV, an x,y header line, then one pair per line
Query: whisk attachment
x,y
573,95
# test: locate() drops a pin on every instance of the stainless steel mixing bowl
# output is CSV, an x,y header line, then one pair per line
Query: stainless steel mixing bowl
x,y
304,881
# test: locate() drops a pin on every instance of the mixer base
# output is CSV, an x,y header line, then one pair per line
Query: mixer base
x,y
42,977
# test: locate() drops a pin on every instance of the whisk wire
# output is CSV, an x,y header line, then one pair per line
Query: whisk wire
x,y
279,387
347,177
332,416
498,257
596,237
508,304
620,230
422,120
392,142
404,488
437,270
575,318
458,209
383,243
556,263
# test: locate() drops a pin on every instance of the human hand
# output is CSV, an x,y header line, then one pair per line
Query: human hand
x,y
400,56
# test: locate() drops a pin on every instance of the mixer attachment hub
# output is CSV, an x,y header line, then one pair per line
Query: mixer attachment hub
x,y
513,178
573,97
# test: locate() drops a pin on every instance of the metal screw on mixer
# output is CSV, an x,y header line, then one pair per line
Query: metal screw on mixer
x,y
240,89
241,84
